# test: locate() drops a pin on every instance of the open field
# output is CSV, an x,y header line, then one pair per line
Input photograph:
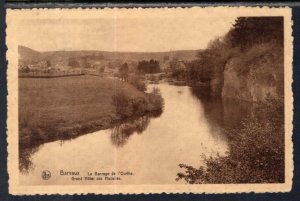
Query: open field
x,y
62,108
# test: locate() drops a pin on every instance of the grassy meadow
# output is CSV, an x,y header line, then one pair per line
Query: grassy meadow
x,y
62,108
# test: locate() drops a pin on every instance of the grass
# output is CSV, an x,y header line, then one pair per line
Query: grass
x,y
62,108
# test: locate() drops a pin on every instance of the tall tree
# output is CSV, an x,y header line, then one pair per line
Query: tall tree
x,y
248,31
124,71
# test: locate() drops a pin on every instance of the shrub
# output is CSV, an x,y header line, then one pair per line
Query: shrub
x,y
122,103
127,107
256,152
101,70
139,106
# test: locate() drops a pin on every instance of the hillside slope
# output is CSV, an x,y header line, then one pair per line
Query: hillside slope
x,y
27,55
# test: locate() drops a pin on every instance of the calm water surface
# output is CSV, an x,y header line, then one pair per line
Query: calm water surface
x,y
149,147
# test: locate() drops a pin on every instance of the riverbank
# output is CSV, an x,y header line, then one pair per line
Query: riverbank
x,y
256,151
67,107
48,75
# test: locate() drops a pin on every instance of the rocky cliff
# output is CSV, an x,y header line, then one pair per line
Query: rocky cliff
x,y
254,75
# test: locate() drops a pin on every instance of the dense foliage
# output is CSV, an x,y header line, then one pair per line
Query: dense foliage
x,y
248,31
128,107
256,152
151,66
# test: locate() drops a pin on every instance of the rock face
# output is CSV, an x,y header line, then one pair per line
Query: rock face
x,y
256,75
216,85
235,86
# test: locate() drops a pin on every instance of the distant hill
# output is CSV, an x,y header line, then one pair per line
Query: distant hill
x,y
30,56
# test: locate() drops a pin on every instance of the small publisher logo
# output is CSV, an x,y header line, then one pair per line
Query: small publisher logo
x,y
46,174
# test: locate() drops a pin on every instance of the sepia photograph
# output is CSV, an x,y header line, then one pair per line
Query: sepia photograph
x,y
181,98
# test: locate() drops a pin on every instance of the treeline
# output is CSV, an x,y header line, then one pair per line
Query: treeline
x,y
79,63
244,34
248,31
151,66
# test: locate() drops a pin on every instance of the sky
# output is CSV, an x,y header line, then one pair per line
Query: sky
x,y
136,33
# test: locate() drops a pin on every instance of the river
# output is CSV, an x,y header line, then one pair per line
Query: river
x,y
148,150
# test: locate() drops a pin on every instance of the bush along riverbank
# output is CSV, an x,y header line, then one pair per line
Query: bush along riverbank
x,y
256,151
127,106
65,108
244,65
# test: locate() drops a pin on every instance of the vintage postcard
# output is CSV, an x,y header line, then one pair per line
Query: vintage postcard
x,y
156,100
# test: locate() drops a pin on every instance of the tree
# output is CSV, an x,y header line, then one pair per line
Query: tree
x,y
85,63
110,65
124,71
248,31
73,62
101,70
151,66
48,63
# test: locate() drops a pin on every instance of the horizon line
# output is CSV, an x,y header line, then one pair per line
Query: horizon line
x,y
72,50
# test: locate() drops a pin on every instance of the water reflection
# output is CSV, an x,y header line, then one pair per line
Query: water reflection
x,y
119,136
121,133
25,158
242,122
223,113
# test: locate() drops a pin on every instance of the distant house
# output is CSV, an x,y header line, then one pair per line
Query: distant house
x,y
40,66
43,64
174,65
24,68
173,61
77,70
63,68
97,65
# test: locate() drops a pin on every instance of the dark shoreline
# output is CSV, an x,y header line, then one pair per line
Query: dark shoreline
x,y
75,132
50,76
